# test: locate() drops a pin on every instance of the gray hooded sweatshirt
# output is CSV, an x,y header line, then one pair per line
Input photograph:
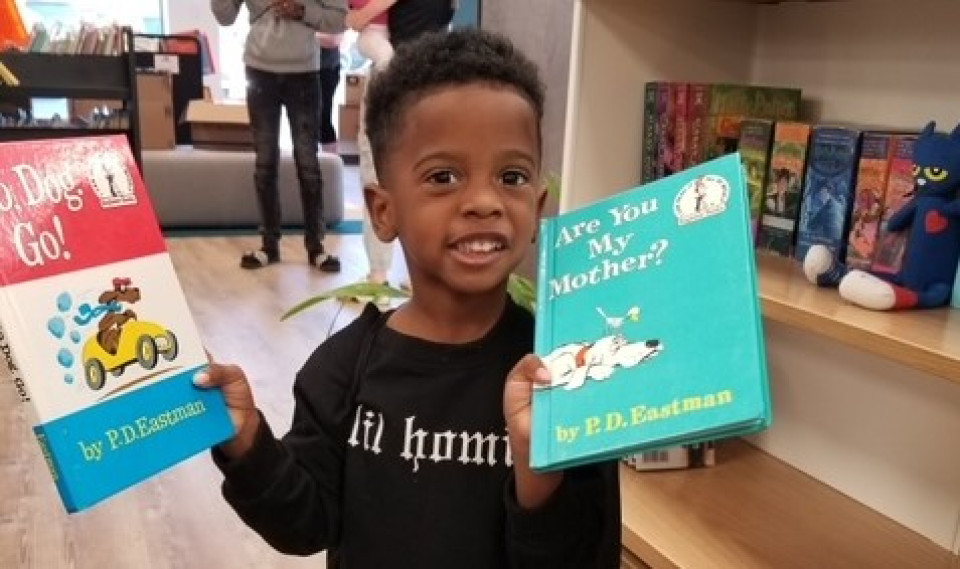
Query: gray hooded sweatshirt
x,y
279,45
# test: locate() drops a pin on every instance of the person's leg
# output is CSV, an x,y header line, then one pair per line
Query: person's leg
x,y
373,42
301,97
379,254
329,79
263,106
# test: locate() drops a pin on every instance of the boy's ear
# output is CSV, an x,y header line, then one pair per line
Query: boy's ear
x,y
380,210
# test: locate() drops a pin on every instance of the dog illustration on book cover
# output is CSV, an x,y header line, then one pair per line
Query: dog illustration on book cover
x,y
571,365
120,338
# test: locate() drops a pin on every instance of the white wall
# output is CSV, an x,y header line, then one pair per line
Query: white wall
x,y
181,15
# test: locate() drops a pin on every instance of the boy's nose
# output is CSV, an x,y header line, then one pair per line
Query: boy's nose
x,y
482,199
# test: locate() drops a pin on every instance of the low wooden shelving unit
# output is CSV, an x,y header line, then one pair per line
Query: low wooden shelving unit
x,y
752,510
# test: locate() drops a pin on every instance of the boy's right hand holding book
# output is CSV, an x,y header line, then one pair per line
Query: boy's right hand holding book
x,y
239,398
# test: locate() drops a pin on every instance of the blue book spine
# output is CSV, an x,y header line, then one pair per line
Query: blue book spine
x,y
828,190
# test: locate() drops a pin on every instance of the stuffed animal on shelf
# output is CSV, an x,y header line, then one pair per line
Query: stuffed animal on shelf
x,y
932,217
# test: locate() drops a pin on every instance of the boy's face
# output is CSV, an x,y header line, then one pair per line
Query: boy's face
x,y
461,189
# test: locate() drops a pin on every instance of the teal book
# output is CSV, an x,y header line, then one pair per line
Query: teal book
x,y
95,331
648,318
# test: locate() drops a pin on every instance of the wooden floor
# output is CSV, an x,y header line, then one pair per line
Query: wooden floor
x,y
178,520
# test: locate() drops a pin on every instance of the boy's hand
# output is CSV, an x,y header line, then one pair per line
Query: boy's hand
x,y
516,401
239,398
288,9
533,489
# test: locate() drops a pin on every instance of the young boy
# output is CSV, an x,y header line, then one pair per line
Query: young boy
x,y
410,439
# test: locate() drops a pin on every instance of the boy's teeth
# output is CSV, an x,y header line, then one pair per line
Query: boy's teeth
x,y
479,246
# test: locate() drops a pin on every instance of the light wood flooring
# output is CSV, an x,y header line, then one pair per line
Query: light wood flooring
x,y
178,519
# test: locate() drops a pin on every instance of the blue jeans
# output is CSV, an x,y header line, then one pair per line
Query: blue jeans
x,y
299,94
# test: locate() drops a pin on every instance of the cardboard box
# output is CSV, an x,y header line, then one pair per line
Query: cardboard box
x,y
219,126
155,109
354,85
349,119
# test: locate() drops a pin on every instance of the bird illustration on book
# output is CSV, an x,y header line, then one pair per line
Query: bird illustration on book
x,y
932,217
572,364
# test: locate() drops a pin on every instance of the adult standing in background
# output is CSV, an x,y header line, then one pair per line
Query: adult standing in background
x,y
330,69
406,21
282,70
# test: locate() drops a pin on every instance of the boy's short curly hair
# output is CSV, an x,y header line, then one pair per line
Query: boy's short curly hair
x,y
438,60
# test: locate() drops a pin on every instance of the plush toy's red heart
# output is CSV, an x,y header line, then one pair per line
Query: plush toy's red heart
x,y
935,222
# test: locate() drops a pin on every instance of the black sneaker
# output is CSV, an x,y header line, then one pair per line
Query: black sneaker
x,y
259,259
326,263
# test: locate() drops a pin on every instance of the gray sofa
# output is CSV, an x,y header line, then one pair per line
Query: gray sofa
x,y
194,188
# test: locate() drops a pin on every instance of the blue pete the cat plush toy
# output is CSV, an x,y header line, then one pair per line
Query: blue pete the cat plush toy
x,y
932,215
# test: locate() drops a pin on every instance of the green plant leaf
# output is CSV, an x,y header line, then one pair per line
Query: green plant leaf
x,y
348,293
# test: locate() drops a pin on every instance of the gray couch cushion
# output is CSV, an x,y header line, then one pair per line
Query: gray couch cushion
x,y
191,187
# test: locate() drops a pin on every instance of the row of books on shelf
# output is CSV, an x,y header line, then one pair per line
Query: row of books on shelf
x,y
102,117
685,124
829,184
86,38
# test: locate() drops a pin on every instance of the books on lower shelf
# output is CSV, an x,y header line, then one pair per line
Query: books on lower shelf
x,y
97,334
649,320
696,455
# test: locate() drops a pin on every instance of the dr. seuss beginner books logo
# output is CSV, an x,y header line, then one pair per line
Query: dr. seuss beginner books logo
x,y
613,249
30,195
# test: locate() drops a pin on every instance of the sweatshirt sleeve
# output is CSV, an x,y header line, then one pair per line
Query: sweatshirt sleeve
x,y
288,490
577,528
327,16
225,11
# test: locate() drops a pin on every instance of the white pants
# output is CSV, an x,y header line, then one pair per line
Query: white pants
x,y
379,254
374,44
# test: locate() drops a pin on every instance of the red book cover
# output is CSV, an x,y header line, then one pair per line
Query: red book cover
x,y
889,248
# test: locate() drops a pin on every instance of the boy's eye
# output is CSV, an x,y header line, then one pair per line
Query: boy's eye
x,y
935,174
443,177
514,178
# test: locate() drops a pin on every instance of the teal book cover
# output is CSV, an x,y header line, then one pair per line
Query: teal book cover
x,y
648,318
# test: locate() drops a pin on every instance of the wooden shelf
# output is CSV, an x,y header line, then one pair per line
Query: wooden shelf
x,y
752,511
928,340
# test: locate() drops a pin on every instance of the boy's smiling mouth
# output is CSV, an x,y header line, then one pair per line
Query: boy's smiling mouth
x,y
474,248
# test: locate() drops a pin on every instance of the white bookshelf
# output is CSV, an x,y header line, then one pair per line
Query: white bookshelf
x,y
852,413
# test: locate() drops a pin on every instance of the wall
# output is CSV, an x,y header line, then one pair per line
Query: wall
x,y
181,15
541,28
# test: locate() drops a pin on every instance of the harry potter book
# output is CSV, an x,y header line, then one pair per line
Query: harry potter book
x,y
96,332
649,321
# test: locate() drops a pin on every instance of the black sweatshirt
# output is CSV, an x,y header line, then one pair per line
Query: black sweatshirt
x,y
418,473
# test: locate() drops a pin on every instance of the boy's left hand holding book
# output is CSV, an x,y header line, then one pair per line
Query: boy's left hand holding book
x,y
533,488
239,398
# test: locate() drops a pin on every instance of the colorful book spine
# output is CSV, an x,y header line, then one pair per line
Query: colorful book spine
x,y
742,101
756,136
681,122
829,183
649,157
95,328
872,170
890,245
781,200
665,128
697,109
